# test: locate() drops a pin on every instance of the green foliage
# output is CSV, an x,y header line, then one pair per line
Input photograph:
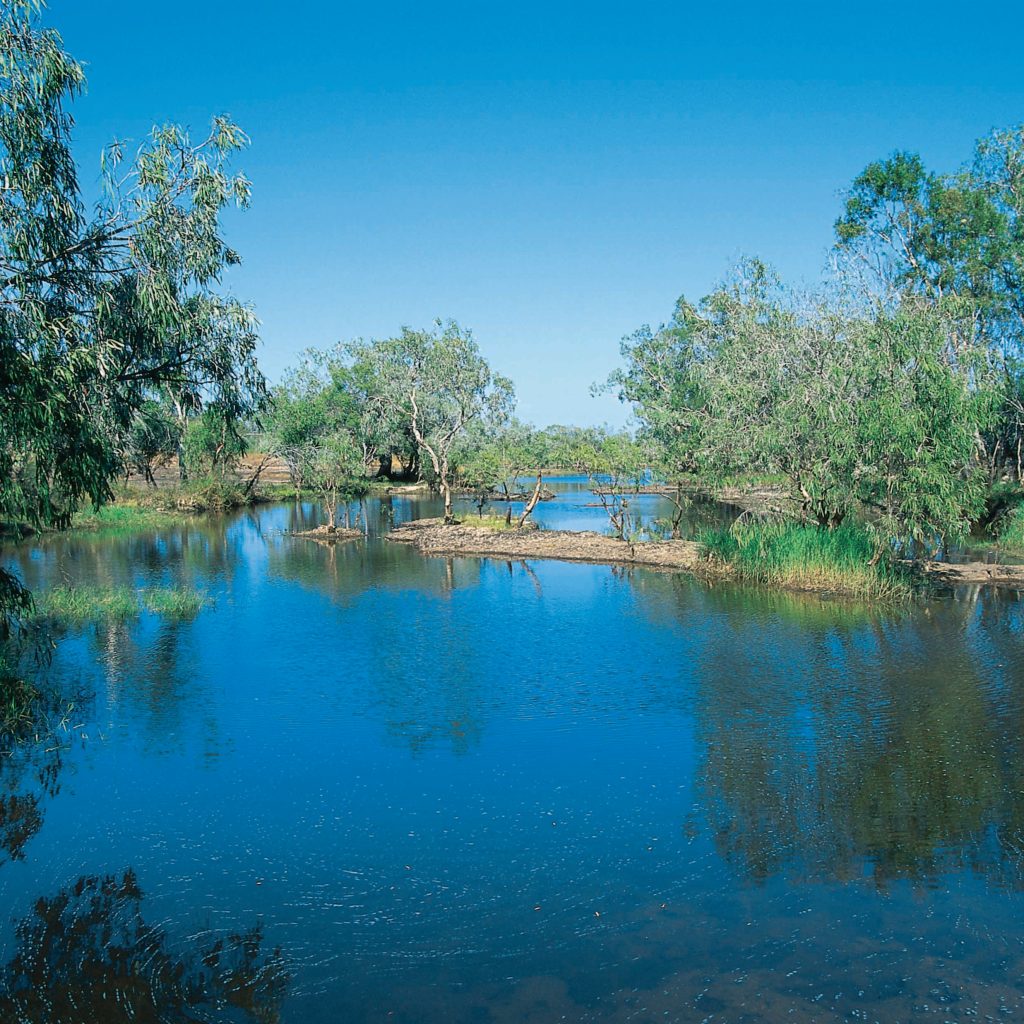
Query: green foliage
x,y
856,405
320,425
480,472
1005,516
493,461
803,556
211,445
1011,533
955,238
103,311
435,384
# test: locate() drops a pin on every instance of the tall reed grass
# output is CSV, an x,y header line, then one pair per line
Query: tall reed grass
x,y
802,556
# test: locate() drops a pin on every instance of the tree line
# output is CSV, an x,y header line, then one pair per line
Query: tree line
x,y
893,394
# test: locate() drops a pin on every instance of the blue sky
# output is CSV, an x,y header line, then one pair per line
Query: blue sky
x,y
551,175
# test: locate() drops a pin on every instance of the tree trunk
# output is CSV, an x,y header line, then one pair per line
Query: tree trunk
x,y
446,491
532,503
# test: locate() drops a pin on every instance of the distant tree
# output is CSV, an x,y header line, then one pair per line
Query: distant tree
x,y
101,312
479,472
152,440
438,384
494,462
333,466
212,445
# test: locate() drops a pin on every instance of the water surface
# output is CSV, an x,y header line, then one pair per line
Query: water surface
x,y
469,790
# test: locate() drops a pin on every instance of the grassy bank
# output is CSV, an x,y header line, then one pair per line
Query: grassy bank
x,y
124,517
75,606
136,509
806,557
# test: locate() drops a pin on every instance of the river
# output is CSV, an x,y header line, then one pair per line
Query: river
x,y
382,787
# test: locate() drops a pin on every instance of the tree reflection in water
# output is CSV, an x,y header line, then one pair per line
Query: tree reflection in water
x,y
841,741
88,956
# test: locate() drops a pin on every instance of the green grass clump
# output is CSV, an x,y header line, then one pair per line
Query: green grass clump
x,y
807,557
76,606
19,700
174,603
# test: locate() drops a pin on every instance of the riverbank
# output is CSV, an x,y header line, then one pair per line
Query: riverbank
x,y
325,535
432,537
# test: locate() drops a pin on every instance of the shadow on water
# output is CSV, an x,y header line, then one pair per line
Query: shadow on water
x,y
29,776
86,955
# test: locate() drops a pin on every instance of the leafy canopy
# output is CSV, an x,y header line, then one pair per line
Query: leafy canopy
x,y
104,309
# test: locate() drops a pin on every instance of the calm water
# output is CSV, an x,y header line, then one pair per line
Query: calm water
x,y
472,791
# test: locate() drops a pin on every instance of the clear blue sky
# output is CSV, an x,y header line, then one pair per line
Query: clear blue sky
x,y
552,175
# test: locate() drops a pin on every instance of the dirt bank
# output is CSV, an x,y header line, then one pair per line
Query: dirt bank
x,y
950,575
432,537
325,536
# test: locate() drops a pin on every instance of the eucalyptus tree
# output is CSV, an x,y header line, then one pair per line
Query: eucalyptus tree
x,y
956,240
103,309
318,424
437,384
855,403
333,466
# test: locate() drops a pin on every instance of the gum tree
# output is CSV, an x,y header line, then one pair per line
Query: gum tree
x,y
956,238
319,426
853,402
103,309
438,384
